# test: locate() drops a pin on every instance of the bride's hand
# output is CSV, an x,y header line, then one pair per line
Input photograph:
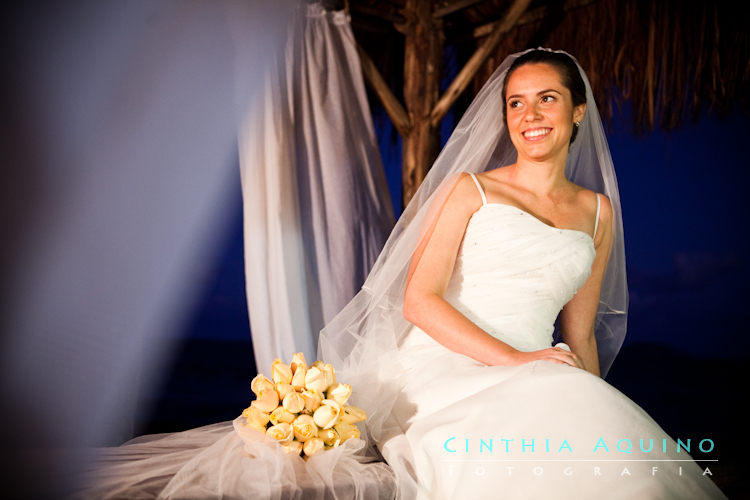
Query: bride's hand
x,y
553,354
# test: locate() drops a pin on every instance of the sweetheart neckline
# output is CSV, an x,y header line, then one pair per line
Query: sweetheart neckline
x,y
591,239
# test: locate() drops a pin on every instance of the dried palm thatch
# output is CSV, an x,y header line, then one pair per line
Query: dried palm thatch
x,y
669,59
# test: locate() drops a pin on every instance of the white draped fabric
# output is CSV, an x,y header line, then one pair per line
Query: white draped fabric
x,y
316,213
316,205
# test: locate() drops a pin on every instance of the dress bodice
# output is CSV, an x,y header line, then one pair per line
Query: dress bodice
x,y
514,273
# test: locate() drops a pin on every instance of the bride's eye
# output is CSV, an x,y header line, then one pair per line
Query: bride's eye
x,y
548,98
514,104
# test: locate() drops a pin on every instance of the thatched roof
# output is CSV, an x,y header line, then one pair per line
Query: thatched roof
x,y
671,59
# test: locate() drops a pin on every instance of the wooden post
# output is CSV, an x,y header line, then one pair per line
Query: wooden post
x,y
423,54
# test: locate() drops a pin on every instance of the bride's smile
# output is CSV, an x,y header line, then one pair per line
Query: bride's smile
x,y
536,134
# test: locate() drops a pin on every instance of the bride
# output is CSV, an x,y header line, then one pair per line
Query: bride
x,y
513,243
515,230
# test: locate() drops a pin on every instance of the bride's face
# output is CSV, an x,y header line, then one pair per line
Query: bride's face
x,y
540,112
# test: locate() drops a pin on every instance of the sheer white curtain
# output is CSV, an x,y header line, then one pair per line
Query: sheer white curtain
x,y
316,205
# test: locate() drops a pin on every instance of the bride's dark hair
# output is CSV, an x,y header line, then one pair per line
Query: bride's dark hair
x,y
569,75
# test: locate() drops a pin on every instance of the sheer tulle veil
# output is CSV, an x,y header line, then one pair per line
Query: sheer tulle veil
x,y
361,340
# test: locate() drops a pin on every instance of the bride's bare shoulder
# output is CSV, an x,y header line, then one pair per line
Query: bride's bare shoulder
x,y
588,199
464,192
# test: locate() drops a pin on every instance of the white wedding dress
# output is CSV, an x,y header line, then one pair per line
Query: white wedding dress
x,y
539,430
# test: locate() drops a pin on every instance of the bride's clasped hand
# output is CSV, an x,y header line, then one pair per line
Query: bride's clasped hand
x,y
556,354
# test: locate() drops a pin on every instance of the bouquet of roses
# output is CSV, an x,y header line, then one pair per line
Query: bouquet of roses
x,y
303,408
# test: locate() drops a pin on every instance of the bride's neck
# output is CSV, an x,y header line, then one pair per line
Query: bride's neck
x,y
542,178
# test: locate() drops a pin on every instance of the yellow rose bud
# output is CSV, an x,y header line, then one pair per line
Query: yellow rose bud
x,y
330,373
330,437
281,432
267,401
304,428
259,428
315,380
339,392
298,360
280,372
260,383
352,414
281,416
292,447
298,380
294,402
255,417
313,446
327,414
283,390
346,431
312,400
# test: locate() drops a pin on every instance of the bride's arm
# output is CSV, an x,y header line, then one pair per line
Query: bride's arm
x,y
430,271
578,315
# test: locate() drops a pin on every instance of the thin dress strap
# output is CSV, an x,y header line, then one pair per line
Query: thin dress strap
x,y
598,205
479,187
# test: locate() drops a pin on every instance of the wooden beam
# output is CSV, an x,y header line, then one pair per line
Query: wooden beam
x,y
531,16
391,104
466,74
453,7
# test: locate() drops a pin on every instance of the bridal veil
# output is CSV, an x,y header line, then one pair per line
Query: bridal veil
x,y
362,339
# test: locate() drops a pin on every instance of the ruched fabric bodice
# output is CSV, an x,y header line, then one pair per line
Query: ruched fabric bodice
x,y
514,273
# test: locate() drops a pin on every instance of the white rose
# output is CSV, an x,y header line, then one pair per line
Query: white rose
x,y
315,380
312,400
255,418
313,446
340,393
298,360
283,390
304,428
281,416
352,414
280,372
260,383
346,431
330,437
267,401
327,413
294,402
298,380
293,447
281,432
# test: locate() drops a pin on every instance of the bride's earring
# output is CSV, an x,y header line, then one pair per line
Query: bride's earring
x,y
578,124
